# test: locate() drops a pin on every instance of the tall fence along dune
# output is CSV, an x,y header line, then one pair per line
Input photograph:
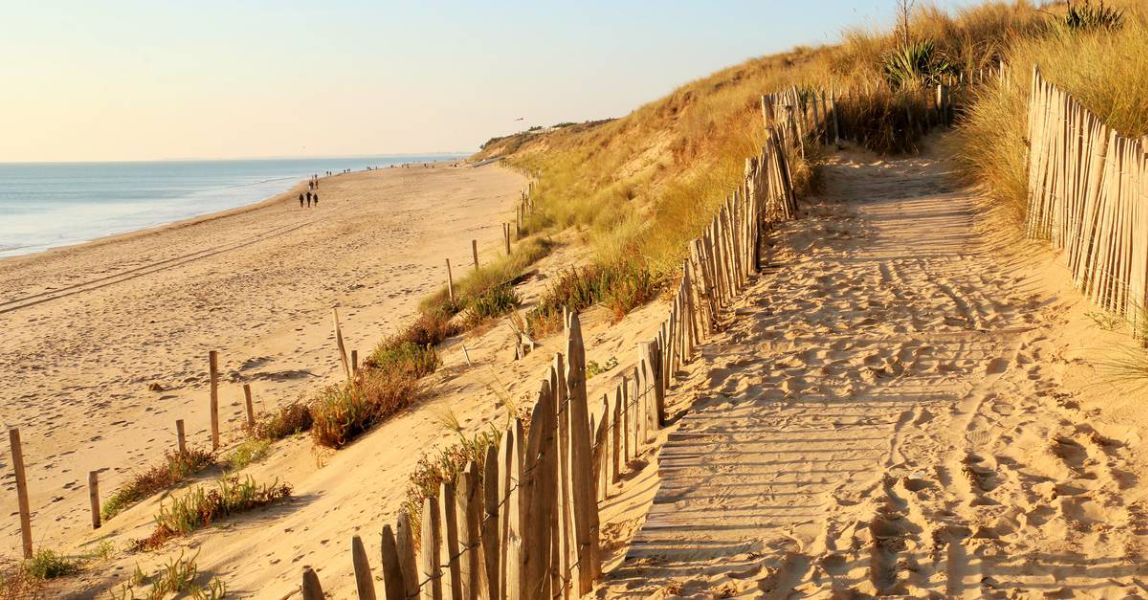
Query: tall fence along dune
x,y
526,522
1088,195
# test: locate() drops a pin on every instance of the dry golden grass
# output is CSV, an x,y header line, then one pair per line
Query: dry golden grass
x,y
1105,70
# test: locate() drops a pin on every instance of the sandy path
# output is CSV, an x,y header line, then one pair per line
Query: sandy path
x,y
86,330
895,411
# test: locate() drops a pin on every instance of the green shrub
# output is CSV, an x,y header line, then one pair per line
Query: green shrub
x,y
344,412
202,506
289,420
915,65
48,564
405,357
444,465
494,302
250,451
176,467
176,578
1087,16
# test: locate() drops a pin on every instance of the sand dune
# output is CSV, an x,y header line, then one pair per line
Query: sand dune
x,y
901,407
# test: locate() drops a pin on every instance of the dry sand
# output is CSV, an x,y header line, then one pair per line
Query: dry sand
x,y
87,329
903,406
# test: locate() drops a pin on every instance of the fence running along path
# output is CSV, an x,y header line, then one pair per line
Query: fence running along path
x,y
1088,196
525,524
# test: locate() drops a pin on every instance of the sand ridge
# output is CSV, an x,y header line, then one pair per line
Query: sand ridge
x,y
895,410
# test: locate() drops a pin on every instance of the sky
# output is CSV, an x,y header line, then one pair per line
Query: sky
x,y
168,79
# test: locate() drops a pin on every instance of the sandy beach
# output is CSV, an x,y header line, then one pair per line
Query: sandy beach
x,y
105,344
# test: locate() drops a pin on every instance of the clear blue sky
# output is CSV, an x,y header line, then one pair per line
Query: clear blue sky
x,y
123,80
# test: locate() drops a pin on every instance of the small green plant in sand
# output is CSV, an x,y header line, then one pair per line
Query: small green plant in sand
x,y
177,578
494,302
204,505
406,357
289,420
249,451
49,564
1104,319
175,467
593,368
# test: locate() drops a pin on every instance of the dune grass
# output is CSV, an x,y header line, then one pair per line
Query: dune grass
x,y
203,505
1105,69
288,420
178,577
342,413
175,467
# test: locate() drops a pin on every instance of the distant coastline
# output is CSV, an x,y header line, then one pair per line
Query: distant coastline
x,y
45,206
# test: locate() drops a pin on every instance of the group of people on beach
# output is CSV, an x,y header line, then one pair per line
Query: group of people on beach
x,y
312,194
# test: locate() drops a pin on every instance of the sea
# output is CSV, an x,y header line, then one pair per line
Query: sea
x,y
48,205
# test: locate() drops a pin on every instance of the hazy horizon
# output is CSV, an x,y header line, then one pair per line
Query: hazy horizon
x,y
138,81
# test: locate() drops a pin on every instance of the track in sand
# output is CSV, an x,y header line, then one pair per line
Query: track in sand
x,y
884,417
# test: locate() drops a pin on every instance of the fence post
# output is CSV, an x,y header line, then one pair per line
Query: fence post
x,y
364,583
394,583
491,529
448,556
180,437
405,546
581,460
538,497
94,497
213,374
429,550
339,342
474,250
250,406
311,588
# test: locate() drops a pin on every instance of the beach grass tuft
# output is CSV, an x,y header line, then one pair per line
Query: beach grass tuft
x,y
175,467
204,505
344,412
288,420
178,577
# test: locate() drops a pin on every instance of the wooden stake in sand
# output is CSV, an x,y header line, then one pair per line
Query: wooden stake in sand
x,y
339,342
180,437
449,282
506,234
94,497
311,588
466,355
250,406
363,580
213,371
21,491
474,250
354,362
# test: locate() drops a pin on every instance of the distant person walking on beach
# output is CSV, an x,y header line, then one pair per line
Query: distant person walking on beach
x,y
300,200
316,200
308,199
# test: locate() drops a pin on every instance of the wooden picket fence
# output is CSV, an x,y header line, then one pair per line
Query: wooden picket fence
x,y
524,524
1088,195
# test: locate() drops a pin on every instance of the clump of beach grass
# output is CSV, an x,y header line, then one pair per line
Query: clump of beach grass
x,y
344,412
204,505
175,467
178,577
288,420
